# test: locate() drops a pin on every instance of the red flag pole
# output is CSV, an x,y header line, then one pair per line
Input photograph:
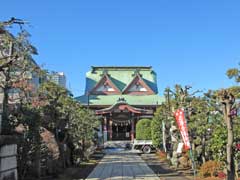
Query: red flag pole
x,y
182,125
191,154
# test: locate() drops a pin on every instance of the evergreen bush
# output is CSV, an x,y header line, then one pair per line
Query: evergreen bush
x,y
156,130
143,130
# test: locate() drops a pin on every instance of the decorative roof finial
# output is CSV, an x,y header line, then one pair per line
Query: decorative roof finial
x,y
121,99
104,72
136,72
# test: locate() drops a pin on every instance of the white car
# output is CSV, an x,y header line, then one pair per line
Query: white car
x,y
146,146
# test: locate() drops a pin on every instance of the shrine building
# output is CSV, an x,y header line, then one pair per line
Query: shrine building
x,y
121,96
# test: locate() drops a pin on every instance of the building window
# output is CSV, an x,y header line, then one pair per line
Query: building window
x,y
137,87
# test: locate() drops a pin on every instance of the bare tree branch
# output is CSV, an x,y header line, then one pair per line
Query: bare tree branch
x,y
13,20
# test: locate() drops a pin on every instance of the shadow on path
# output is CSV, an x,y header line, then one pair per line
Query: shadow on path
x,y
162,169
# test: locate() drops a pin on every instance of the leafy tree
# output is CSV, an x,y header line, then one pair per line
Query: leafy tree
x,y
156,130
67,120
233,73
160,123
54,109
30,109
231,94
82,127
235,90
16,64
195,114
227,100
198,124
218,142
17,70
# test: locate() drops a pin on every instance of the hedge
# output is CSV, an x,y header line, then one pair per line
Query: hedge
x,y
143,130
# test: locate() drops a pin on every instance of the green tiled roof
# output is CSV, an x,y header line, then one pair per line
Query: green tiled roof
x,y
121,76
109,100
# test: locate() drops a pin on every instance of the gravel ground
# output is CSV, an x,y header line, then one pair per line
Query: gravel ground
x,y
162,169
83,171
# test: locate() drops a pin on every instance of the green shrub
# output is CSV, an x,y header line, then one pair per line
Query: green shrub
x,y
143,130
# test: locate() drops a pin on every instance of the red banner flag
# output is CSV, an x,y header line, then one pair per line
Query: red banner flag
x,y
182,125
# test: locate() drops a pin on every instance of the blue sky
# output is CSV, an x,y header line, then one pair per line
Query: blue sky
x,y
189,42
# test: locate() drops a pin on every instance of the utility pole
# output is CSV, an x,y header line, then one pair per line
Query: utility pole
x,y
88,94
163,122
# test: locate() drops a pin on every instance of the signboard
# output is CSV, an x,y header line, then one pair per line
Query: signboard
x,y
179,148
182,125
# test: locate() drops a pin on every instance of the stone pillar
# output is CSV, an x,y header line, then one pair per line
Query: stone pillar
x,y
132,129
105,129
0,122
100,135
8,162
110,129
1,108
8,150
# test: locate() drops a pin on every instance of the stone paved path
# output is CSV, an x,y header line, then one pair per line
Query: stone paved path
x,y
124,165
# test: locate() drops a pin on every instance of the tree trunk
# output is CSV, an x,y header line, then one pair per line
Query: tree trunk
x,y
61,148
37,162
164,136
203,149
37,154
230,159
5,129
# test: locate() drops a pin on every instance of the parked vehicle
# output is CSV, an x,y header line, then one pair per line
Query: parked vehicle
x,y
146,146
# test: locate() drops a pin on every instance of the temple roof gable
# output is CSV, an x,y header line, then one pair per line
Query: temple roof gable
x,y
121,77
105,86
138,86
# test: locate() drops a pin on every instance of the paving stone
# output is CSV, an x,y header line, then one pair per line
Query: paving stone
x,y
123,165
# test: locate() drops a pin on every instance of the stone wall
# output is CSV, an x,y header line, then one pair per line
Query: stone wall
x,y
8,162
